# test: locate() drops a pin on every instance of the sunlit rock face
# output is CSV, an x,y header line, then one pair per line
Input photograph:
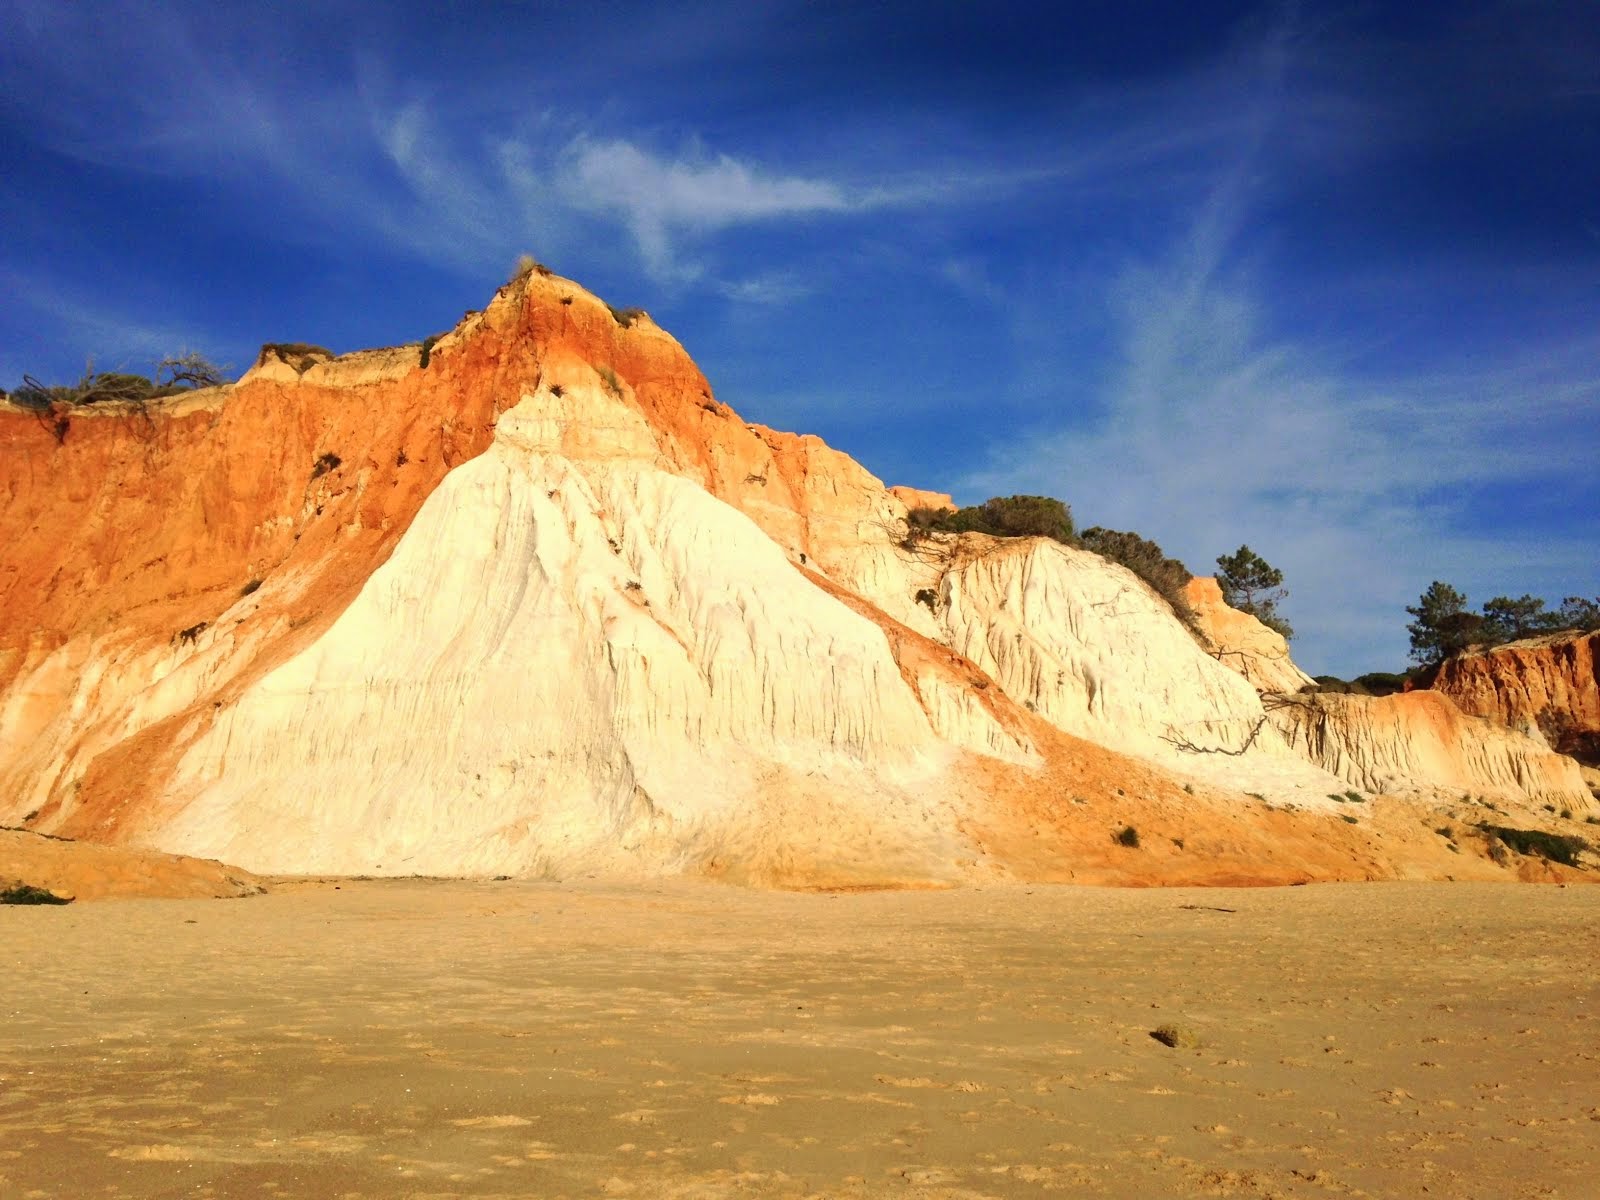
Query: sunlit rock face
x,y
546,606
1552,680
1411,742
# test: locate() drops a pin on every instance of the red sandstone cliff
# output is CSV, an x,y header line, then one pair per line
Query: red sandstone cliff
x,y
1551,683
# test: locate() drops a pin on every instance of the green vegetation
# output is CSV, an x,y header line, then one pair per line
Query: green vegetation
x,y
1251,584
428,343
1000,516
1443,626
174,376
1373,683
53,404
609,377
1127,836
1555,847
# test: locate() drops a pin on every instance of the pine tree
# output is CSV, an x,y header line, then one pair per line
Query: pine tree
x,y
1253,585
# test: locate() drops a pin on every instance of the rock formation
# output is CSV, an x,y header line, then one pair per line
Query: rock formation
x,y
1243,643
1549,683
544,605
1408,742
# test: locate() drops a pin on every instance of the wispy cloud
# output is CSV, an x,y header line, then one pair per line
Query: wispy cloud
x,y
698,192
1215,429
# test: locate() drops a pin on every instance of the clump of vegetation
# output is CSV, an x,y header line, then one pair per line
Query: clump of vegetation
x,y
26,893
1127,836
428,343
302,356
54,403
1373,683
625,316
527,265
609,378
1251,584
1000,516
1348,819
1356,797
1554,847
1443,625
327,462
174,375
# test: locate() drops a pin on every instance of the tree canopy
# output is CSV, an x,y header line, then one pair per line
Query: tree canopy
x,y
1253,585
1444,626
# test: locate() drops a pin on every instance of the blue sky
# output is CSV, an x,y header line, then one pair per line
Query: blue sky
x,y
1323,278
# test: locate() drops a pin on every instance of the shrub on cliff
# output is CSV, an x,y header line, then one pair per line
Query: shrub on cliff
x,y
1002,516
1555,847
302,356
625,316
174,375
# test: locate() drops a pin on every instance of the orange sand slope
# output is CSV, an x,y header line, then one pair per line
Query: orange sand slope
x,y
85,871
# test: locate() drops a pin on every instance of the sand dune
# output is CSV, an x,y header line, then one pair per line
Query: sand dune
x,y
413,1038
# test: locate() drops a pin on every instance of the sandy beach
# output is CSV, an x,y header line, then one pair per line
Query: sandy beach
x,y
431,1039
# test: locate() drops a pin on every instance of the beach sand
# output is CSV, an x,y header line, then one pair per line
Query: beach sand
x,y
429,1039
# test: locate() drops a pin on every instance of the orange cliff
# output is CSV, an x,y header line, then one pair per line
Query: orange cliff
x,y
270,502
546,605
1537,679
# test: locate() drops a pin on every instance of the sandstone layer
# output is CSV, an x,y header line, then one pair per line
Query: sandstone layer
x,y
1411,742
1243,643
1551,682
545,606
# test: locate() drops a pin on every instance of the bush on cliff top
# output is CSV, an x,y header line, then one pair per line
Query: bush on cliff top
x,y
1045,516
1002,516
1166,576
174,375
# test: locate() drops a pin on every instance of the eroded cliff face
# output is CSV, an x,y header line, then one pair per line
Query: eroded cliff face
x,y
546,605
1243,643
1415,741
1406,743
1552,681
